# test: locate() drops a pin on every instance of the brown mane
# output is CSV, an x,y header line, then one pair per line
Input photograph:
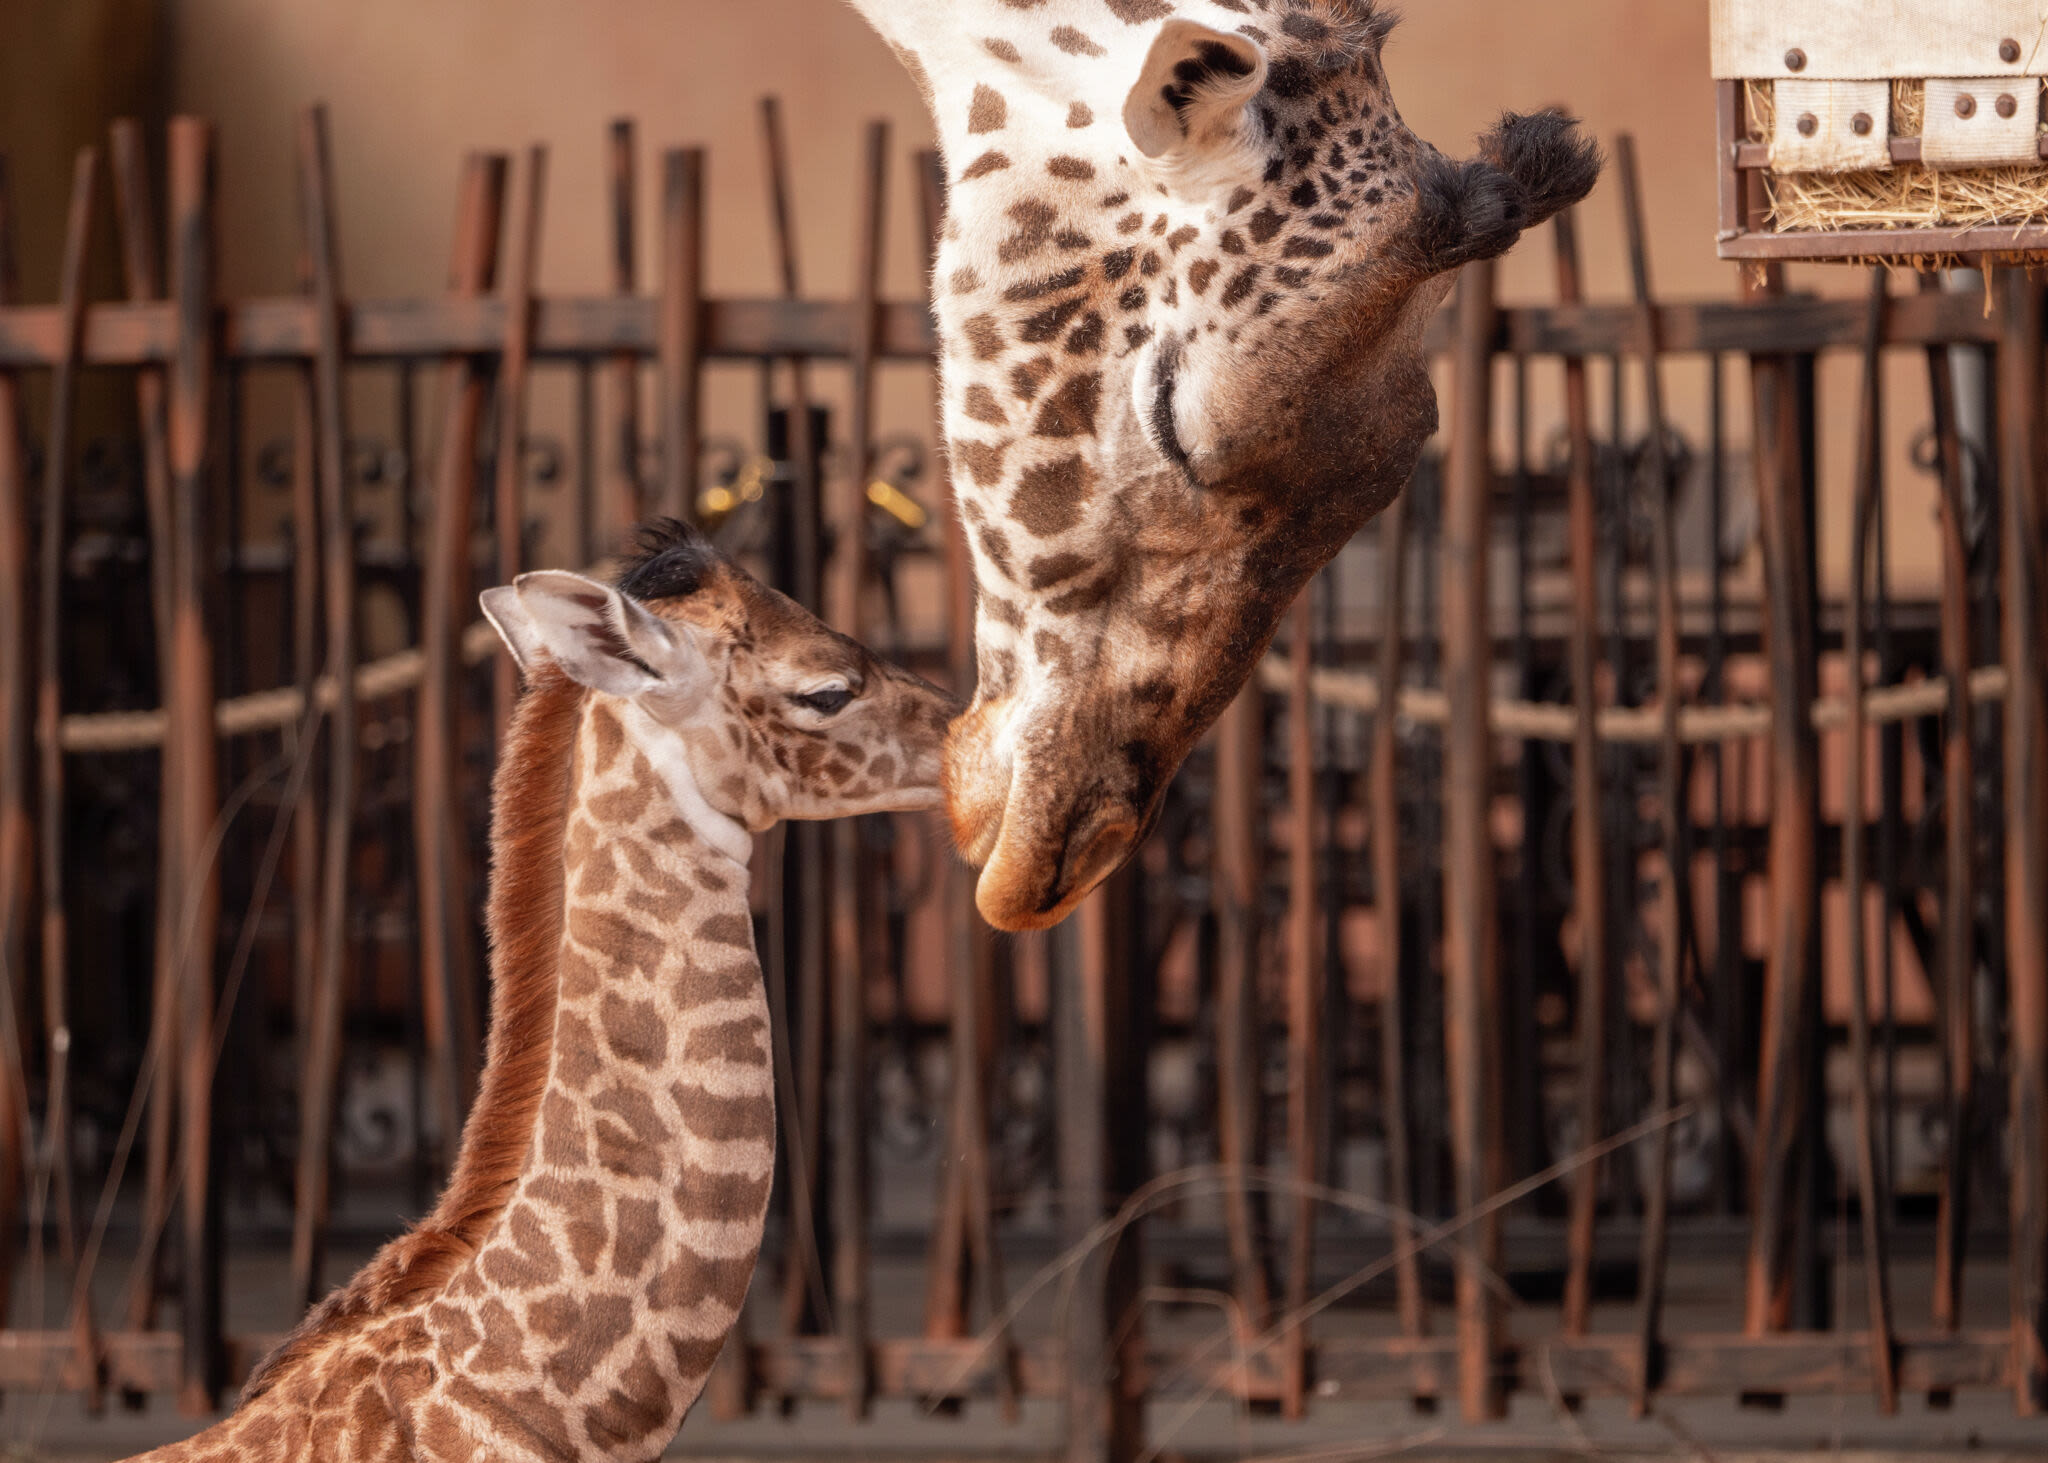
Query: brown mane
x,y
529,813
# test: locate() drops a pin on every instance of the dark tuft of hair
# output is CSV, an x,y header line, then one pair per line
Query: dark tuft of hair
x,y
1545,152
669,559
1463,211
1528,168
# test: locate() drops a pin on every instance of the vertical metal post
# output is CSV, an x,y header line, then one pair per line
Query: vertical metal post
x,y
1958,913
1670,788
142,265
514,368
1869,485
682,326
449,995
57,450
1589,851
1096,1003
1238,876
1305,1000
17,758
337,534
1471,941
2026,834
846,580
190,742
1781,1115
620,501
1385,798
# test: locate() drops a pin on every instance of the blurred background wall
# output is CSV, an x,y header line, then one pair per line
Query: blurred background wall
x,y
410,86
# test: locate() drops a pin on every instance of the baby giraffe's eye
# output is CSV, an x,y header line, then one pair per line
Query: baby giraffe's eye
x,y
826,701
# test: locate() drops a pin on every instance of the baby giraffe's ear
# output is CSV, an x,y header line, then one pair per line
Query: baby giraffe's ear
x,y
598,636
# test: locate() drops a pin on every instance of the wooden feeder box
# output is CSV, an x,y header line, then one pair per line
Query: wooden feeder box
x,y
1907,129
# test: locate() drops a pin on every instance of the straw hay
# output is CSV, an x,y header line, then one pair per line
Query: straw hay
x,y
1906,196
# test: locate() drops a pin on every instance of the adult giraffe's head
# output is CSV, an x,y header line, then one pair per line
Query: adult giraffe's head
x,y
1189,254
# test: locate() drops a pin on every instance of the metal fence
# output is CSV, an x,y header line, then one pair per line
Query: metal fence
x,y
1402,1017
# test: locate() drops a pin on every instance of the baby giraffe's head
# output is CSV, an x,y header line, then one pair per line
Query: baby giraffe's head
x,y
746,704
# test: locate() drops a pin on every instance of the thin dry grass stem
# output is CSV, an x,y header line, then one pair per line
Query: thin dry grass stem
x,y
1183,1183
1904,196
150,1072
1423,1242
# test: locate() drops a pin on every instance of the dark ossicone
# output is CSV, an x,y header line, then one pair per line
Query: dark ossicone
x,y
1528,168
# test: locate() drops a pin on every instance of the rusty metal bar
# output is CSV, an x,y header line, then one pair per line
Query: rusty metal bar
x,y
805,552
1869,485
1589,840
1096,1002
1412,1304
142,266
847,577
17,758
1348,1368
1781,1115
1305,1002
337,533
567,326
1240,760
449,994
1471,941
1670,788
1956,992
682,326
2026,829
515,366
50,792
620,499
190,749
799,947
306,592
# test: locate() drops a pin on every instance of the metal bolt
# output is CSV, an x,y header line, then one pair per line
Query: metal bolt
x,y
1860,124
1966,105
2007,104
1795,59
1808,124
2008,50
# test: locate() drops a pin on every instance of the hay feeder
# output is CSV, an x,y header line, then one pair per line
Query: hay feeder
x,y
1908,131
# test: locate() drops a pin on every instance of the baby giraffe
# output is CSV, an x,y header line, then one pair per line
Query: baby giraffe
x,y
569,1294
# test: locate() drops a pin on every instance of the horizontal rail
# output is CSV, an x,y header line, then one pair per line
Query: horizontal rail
x,y
285,329
1752,156
1346,1368
1551,721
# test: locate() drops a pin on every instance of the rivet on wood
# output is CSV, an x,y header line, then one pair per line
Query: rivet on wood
x,y
1860,124
1808,124
2007,104
2008,50
1795,59
1966,105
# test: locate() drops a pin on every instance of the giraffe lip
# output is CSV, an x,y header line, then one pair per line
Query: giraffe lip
x,y
1033,882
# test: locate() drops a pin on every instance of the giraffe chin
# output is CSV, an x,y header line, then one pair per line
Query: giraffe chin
x,y
1038,860
1032,883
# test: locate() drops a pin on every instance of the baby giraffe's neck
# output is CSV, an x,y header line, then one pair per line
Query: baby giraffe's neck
x,y
590,1317
570,1293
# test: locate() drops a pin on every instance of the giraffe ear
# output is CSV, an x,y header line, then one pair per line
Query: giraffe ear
x,y
1190,98
598,636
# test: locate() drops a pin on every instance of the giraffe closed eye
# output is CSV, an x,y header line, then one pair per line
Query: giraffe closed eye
x,y
825,701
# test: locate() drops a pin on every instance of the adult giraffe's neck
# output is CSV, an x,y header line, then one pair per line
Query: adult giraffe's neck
x,y
591,1315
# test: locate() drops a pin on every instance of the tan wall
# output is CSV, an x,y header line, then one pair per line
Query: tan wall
x,y
410,85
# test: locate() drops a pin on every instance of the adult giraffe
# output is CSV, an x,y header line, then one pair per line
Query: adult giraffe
x,y
1189,254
